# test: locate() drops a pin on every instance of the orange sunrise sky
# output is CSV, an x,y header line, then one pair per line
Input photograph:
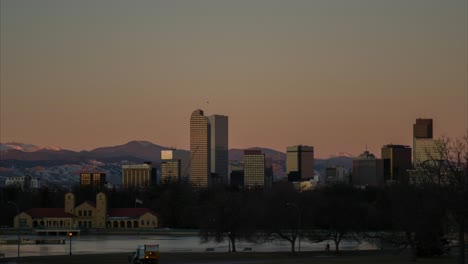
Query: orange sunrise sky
x,y
334,74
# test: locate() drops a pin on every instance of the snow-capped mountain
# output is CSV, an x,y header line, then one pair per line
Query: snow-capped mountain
x,y
18,146
56,165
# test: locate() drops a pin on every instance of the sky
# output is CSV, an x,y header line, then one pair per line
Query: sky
x,y
338,75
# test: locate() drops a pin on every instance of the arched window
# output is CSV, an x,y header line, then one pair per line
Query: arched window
x,y
34,223
122,224
116,224
129,224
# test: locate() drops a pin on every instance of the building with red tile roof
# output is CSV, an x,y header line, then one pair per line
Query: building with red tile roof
x,y
88,214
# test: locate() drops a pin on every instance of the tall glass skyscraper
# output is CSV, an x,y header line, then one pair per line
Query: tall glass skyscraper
x,y
219,148
200,146
397,162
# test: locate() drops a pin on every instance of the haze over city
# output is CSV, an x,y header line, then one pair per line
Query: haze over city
x,y
338,75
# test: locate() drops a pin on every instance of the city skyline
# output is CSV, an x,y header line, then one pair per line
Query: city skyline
x,y
336,75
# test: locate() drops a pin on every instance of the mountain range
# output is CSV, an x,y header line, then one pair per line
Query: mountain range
x,y
61,166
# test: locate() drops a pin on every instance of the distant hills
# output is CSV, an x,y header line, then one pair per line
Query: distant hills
x,y
143,150
61,166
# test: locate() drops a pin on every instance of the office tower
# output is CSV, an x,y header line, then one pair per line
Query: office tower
x,y
299,163
425,148
92,179
397,162
367,171
268,172
336,175
254,168
200,145
138,176
422,128
174,165
219,148
170,171
236,174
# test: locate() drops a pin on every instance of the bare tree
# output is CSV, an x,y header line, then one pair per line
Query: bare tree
x,y
448,171
281,219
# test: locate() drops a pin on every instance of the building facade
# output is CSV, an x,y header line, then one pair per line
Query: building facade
x,y
200,149
219,146
139,175
236,176
23,182
170,171
397,163
336,175
92,179
367,171
300,163
425,148
254,168
86,215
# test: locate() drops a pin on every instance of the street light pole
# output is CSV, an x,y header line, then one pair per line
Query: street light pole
x,y
229,239
70,234
17,214
299,222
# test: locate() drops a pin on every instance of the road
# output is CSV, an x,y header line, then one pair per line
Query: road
x,y
240,258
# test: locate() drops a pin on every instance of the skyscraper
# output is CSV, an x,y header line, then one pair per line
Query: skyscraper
x,y
422,128
300,163
397,162
367,171
139,175
219,147
237,174
425,148
254,168
174,165
200,146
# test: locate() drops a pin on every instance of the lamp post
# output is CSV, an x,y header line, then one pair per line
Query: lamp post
x,y
70,234
229,239
299,222
17,215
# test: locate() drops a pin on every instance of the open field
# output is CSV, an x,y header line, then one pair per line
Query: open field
x,y
234,258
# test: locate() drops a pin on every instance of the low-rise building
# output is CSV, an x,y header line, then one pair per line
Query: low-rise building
x,y
23,182
86,215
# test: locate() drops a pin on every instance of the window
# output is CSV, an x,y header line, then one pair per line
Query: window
x,y
85,213
90,213
79,213
142,222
